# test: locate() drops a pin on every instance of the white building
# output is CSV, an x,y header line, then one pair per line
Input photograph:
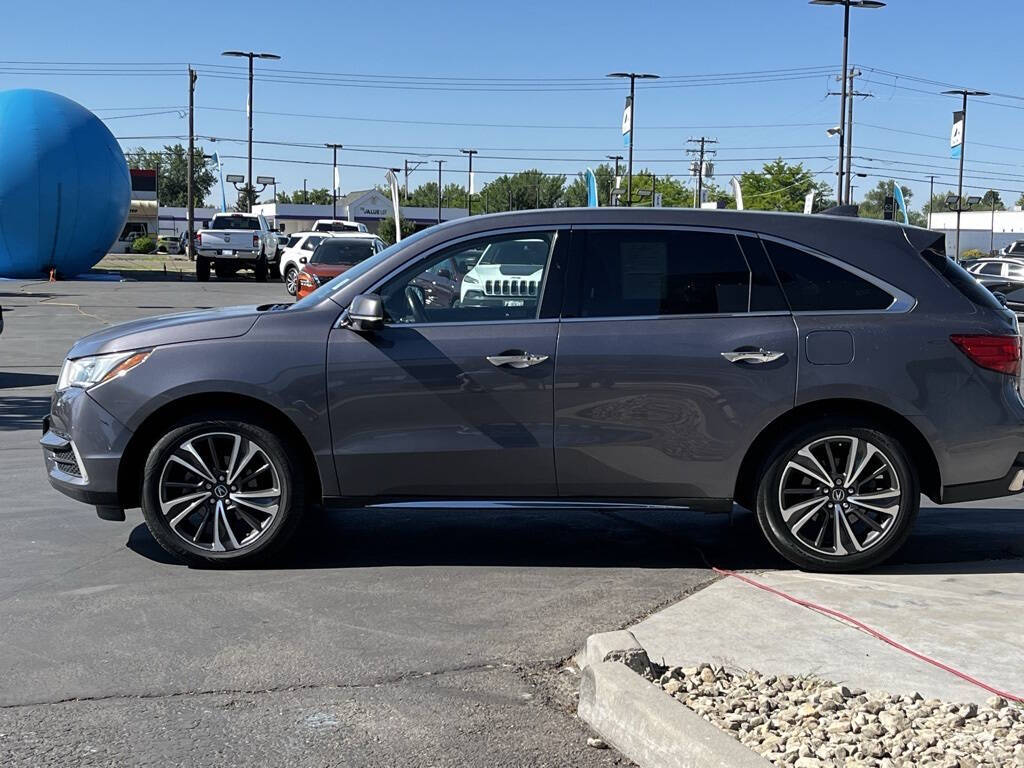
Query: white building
x,y
368,206
979,230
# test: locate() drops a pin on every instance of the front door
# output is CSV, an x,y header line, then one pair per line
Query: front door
x,y
452,398
676,349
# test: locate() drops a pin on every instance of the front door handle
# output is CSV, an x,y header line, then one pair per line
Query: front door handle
x,y
513,358
758,356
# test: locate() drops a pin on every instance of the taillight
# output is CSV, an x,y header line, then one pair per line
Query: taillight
x,y
997,353
255,241
199,238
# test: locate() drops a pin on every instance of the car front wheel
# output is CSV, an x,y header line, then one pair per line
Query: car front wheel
x,y
837,499
291,280
222,492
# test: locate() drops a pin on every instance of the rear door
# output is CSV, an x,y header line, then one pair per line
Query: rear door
x,y
676,348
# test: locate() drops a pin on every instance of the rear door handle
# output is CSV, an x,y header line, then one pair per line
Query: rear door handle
x,y
753,356
515,359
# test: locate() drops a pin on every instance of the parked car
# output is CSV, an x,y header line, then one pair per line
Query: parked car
x,y
169,244
334,255
802,366
505,271
1000,270
1016,248
338,225
296,253
236,241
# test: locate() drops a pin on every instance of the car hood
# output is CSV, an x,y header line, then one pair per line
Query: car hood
x,y
493,271
198,325
326,270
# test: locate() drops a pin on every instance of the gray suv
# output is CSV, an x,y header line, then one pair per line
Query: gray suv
x,y
821,371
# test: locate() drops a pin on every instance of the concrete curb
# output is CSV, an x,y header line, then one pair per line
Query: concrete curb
x,y
646,724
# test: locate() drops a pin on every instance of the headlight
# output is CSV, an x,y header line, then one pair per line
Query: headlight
x,y
470,279
87,372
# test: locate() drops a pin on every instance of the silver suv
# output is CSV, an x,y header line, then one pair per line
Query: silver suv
x,y
821,371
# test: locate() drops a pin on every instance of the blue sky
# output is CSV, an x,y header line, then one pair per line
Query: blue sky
x,y
936,40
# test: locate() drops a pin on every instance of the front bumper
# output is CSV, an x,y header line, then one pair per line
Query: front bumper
x,y
82,447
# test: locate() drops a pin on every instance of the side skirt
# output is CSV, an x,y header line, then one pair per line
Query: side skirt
x,y
376,502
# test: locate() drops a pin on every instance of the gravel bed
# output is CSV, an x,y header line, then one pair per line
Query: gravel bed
x,y
807,722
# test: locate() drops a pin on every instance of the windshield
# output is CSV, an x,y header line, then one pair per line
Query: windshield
x,y
339,251
526,252
235,222
329,288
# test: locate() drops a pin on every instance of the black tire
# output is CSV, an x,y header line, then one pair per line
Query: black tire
x,y
260,268
275,270
847,524
291,280
202,269
216,433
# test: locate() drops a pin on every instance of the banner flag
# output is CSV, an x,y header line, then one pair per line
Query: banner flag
x,y
897,193
392,180
627,121
337,182
956,136
591,189
220,170
737,192
809,202
472,183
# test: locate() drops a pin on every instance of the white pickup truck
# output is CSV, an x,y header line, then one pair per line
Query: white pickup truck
x,y
236,241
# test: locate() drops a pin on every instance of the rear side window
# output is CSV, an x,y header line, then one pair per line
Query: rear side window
x,y
812,284
990,269
643,273
957,276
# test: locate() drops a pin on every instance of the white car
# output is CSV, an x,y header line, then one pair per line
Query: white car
x,y
338,225
296,253
508,271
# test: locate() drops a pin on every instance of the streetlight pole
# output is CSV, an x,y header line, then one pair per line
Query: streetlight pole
x,y
964,92
847,4
439,163
334,186
469,185
633,77
616,158
250,55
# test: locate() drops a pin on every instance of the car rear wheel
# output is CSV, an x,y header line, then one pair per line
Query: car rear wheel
x,y
837,498
202,269
291,280
260,269
222,492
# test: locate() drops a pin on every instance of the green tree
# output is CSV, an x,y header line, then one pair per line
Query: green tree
x,y
171,165
938,204
990,197
318,196
1020,200
780,186
872,206
424,196
525,190
386,229
247,198
575,195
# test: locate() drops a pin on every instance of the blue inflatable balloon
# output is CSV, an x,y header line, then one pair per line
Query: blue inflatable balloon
x,y
64,185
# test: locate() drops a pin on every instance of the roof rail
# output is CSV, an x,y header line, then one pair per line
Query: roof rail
x,y
842,210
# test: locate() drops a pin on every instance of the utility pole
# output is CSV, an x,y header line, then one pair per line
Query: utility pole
x,y
633,77
616,158
191,202
439,163
469,185
700,154
305,195
846,136
992,233
963,152
334,178
931,199
406,181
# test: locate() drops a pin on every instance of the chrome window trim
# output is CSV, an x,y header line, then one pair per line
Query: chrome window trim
x,y
553,231
696,316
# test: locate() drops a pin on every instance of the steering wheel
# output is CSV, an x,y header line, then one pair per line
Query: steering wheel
x,y
417,306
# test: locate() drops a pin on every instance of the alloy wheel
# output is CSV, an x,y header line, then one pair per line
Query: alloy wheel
x,y
291,280
219,491
840,495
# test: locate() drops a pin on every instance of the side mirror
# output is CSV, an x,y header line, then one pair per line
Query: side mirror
x,y
366,312
1000,297
303,260
445,273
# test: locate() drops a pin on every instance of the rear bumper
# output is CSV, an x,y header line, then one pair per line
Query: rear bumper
x,y
238,255
1010,484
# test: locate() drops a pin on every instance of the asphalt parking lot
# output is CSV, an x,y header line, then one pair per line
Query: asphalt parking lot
x,y
387,638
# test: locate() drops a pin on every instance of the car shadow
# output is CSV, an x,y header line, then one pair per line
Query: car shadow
x,y
605,538
22,412
19,380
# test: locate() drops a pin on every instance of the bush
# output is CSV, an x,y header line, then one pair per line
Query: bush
x,y
143,244
386,229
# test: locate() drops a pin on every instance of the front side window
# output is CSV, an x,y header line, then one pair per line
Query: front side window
x,y
990,268
643,273
311,243
495,278
812,284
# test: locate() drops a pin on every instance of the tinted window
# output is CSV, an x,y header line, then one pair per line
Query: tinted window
x,y
1015,271
990,269
812,284
642,273
312,242
765,293
1017,247
235,222
338,251
507,285
957,276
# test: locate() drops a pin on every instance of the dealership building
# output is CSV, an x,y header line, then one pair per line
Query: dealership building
x,y
979,230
